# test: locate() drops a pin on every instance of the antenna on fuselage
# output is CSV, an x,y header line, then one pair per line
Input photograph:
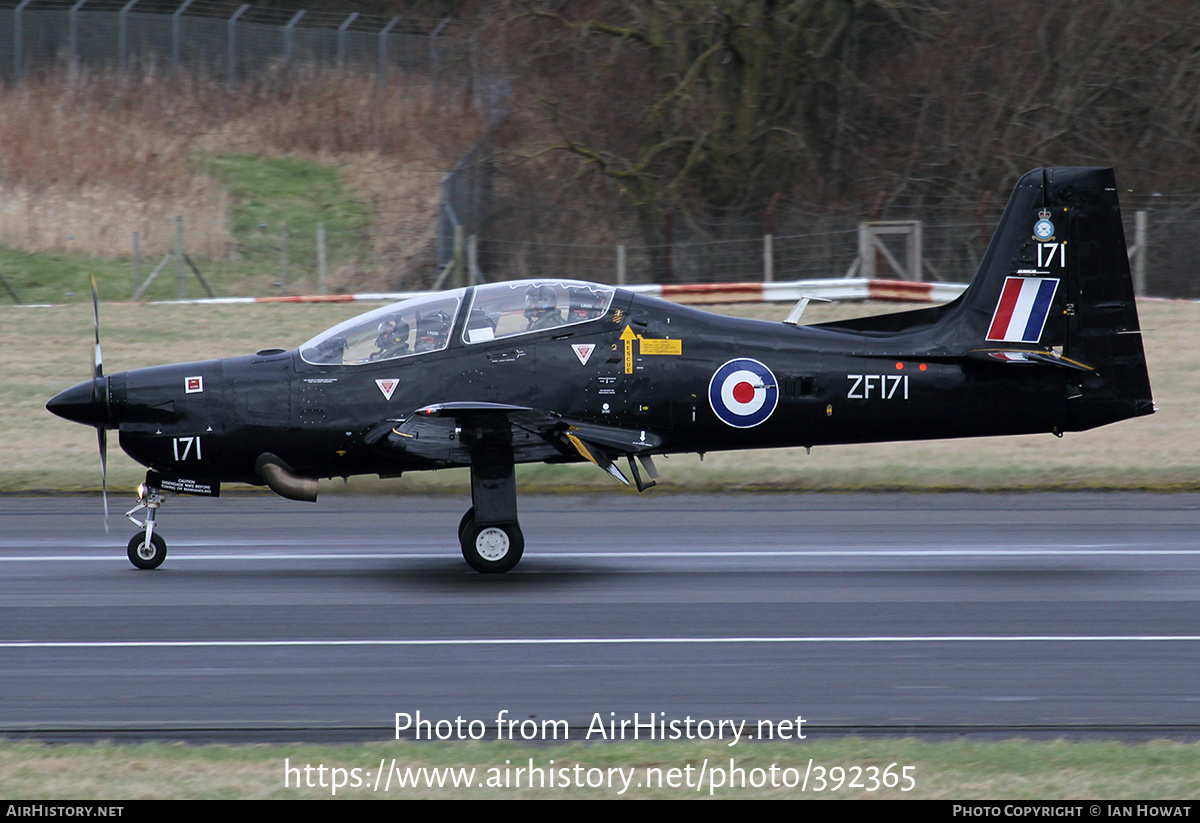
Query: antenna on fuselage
x,y
793,318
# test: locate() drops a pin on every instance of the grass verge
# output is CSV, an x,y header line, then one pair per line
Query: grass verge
x,y
959,770
277,204
271,195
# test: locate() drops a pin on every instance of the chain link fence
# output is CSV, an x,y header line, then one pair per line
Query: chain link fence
x,y
1172,246
806,245
281,261
209,36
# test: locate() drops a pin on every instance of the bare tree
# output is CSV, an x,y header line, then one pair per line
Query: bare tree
x,y
995,88
688,106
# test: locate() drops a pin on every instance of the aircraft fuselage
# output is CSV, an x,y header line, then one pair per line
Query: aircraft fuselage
x,y
659,380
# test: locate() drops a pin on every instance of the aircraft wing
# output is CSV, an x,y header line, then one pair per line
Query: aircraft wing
x,y
454,433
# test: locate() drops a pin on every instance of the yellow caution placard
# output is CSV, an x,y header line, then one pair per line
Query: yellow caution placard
x,y
647,346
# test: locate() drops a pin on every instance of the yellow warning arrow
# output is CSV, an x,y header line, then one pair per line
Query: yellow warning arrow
x,y
628,336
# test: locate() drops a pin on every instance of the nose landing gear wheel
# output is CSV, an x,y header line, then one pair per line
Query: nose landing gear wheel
x,y
492,549
147,555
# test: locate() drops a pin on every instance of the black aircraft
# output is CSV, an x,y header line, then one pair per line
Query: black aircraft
x,y
1045,339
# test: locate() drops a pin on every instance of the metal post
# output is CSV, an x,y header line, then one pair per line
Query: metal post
x,y
433,54
8,288
322,263
140,290
231,45
1139,262
287,39
17,38
473,83
177,34
667,275
123,35
283,257
915,253
866,252
341,41
471,276
73,35
383,36
180,283
621,264
137,260
769,239
459,255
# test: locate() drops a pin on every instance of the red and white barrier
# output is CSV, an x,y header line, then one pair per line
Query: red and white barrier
x,y
836,289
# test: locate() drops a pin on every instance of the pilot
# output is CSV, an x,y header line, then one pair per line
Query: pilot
x,y
433,330
392,340
541,308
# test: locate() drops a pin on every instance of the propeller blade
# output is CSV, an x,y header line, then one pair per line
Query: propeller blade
x,y
98,366
101,431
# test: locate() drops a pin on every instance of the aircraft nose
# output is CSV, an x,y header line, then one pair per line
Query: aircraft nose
x,y
79,404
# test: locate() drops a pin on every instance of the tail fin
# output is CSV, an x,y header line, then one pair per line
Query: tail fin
x,y
1055,283
1054,289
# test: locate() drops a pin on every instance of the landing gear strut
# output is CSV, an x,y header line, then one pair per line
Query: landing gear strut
x,y
490,536
147,550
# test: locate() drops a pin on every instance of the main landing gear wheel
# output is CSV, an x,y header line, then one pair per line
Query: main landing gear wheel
x,y
492,549
147,555
467,518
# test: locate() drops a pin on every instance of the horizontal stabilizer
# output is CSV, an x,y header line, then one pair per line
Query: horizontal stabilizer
x,y
1028,358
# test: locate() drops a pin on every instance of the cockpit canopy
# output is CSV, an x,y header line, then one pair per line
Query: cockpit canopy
x,y
424,324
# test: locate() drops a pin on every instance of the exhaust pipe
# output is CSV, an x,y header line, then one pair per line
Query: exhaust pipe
x,y
280,479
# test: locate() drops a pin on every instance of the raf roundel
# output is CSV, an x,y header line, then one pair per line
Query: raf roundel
x,y
743,393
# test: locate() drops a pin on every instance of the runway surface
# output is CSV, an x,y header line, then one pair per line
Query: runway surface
x,y
1009,614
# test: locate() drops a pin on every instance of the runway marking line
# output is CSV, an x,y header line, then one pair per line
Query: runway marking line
x,y
599,641
1036,551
